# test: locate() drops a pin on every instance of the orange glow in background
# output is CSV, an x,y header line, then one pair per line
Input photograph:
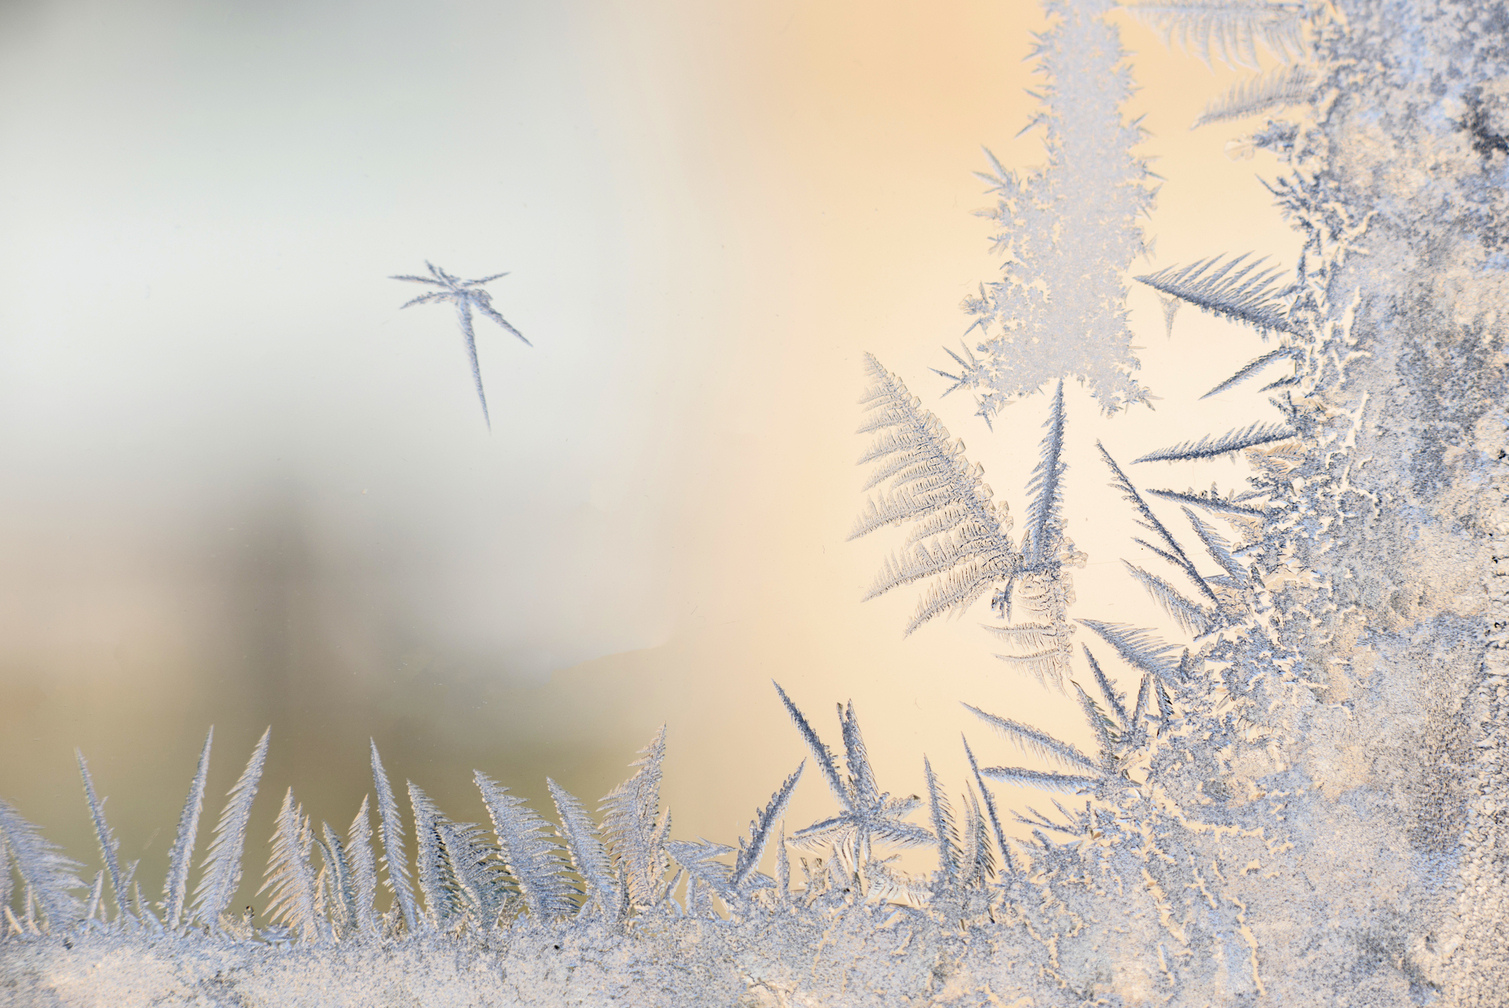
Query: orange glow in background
x,y
243,488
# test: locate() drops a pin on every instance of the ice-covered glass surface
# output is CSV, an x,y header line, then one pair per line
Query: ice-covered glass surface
x,y
1235,745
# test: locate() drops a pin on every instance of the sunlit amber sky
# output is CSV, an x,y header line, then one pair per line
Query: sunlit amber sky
x,y
242,488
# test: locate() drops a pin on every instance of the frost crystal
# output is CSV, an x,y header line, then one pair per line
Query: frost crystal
x,y
1069,231
467,296
1290,792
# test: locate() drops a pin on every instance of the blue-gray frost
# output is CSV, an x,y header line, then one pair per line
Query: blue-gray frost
x,y
1300,796
466,296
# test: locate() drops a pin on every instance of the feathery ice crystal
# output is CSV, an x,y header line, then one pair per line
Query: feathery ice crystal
x,y
1296,793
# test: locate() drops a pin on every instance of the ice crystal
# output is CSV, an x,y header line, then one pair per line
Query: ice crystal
x,y
1302,805
1068,232
467,296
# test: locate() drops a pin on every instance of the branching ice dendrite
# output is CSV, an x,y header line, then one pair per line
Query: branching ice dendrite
x,y
1247,294
528,848
866,813
636,828
290,876
1208,447
395,858
47,875
589,858
181,855
1068,233
1228,30
759,831
961,534
222,866
1285,85
466,295
108,843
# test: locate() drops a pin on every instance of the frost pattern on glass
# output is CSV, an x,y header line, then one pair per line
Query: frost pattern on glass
x,y
467,296
1069,231
1296,793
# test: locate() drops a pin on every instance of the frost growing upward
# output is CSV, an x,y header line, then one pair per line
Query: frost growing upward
x,y
1290,793
960,535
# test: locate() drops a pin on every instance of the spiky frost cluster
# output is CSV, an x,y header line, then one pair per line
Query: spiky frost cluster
x,y
1299,801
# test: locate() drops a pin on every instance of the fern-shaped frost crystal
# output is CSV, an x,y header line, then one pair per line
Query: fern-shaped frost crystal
x,y
181,855
1281,86
960,534
529,850
1140,649
222,866
1191,616
290,877
820,752
473,880
458,870
1038,743
1214,447
1227,30
1114,698
363,867
942,817
47,875
977,865
759,831
1104,727
1058,783
990,808
588,855
334,885
104,836
1252,368
1212,500
635,827
429,859
1045,512
1242,293
396,859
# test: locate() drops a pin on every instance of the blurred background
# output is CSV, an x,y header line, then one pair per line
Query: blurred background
x,y
241,488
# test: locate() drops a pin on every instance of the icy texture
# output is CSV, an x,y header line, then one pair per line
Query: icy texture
x,y
1277,88
1242,293
290,885
1069,231
222,867
180,857
1304,803
467,296
1228,30
960,535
